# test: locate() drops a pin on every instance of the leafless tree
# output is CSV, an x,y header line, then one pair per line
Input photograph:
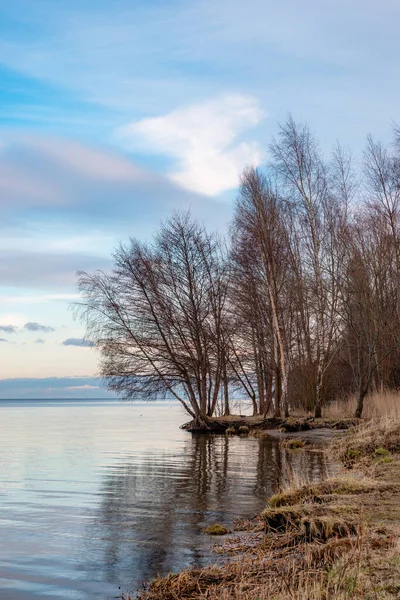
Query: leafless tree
x,y
305,181
309,289
158,318
251,360
368,301
259,218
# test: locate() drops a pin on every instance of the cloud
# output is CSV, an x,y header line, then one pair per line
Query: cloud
x,y
56,175
37,327
8,329
32,326
3,340
78,342
83,387
46,180
37,298
53,387
204,139
138,54
38,269
39,341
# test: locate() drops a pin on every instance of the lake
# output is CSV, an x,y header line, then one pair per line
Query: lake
x,y
101,495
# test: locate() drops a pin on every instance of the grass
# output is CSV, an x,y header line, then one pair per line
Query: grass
x,y
317,492
377,405
311,522
243,430
292,443
230,431
216,529
336,539
373,439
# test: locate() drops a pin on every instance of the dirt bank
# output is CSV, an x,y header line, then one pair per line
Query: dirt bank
x,y
259,424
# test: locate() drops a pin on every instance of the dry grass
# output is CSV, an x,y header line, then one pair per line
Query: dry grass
x,y
279,568
377,405
338,539
346,485
371,441
311,522
292,443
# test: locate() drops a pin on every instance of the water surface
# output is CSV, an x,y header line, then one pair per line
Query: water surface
x,y
97,495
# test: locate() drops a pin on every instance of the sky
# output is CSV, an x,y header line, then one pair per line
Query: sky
x,y
113,114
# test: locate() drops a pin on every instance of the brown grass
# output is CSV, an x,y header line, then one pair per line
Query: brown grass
x,y
346,485
280,569
377,405
372,440
292,443
335,540
311,522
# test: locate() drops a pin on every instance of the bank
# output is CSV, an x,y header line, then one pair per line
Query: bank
x,y
258,423
337,539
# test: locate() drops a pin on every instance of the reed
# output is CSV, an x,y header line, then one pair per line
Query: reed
x,y
377,405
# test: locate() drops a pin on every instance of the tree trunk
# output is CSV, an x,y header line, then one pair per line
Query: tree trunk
x,y
203,390
259,376
360,401
268,403
318,396
278,393
285,402
255,406
227,411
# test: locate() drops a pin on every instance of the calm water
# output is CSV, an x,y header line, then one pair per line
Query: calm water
x,y
95,495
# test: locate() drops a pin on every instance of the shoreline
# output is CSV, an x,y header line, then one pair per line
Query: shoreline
x,y
336,539
258,424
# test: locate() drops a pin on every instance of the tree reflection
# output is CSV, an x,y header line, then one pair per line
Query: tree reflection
x,y
152,511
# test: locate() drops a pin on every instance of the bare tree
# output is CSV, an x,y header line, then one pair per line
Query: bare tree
x,y
309,285
305,182
382,175
158,318
250,355
368,301
259,217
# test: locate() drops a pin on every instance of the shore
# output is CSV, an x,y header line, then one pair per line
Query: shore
x,y
235,424
337,539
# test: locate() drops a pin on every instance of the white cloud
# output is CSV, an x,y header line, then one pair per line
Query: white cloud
x,y
86,161
12,320
73,388
38,299
204,139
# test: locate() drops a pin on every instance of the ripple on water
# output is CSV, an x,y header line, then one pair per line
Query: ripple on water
x,y
97,495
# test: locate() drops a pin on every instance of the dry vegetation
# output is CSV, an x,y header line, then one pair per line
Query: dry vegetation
x,y
371,443
378,404
293,443
216,529
337,539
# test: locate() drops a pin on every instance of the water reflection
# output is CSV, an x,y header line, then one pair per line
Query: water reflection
x,y
98,495
152,514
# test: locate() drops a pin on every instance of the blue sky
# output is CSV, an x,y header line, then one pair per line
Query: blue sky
x,y
113,114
